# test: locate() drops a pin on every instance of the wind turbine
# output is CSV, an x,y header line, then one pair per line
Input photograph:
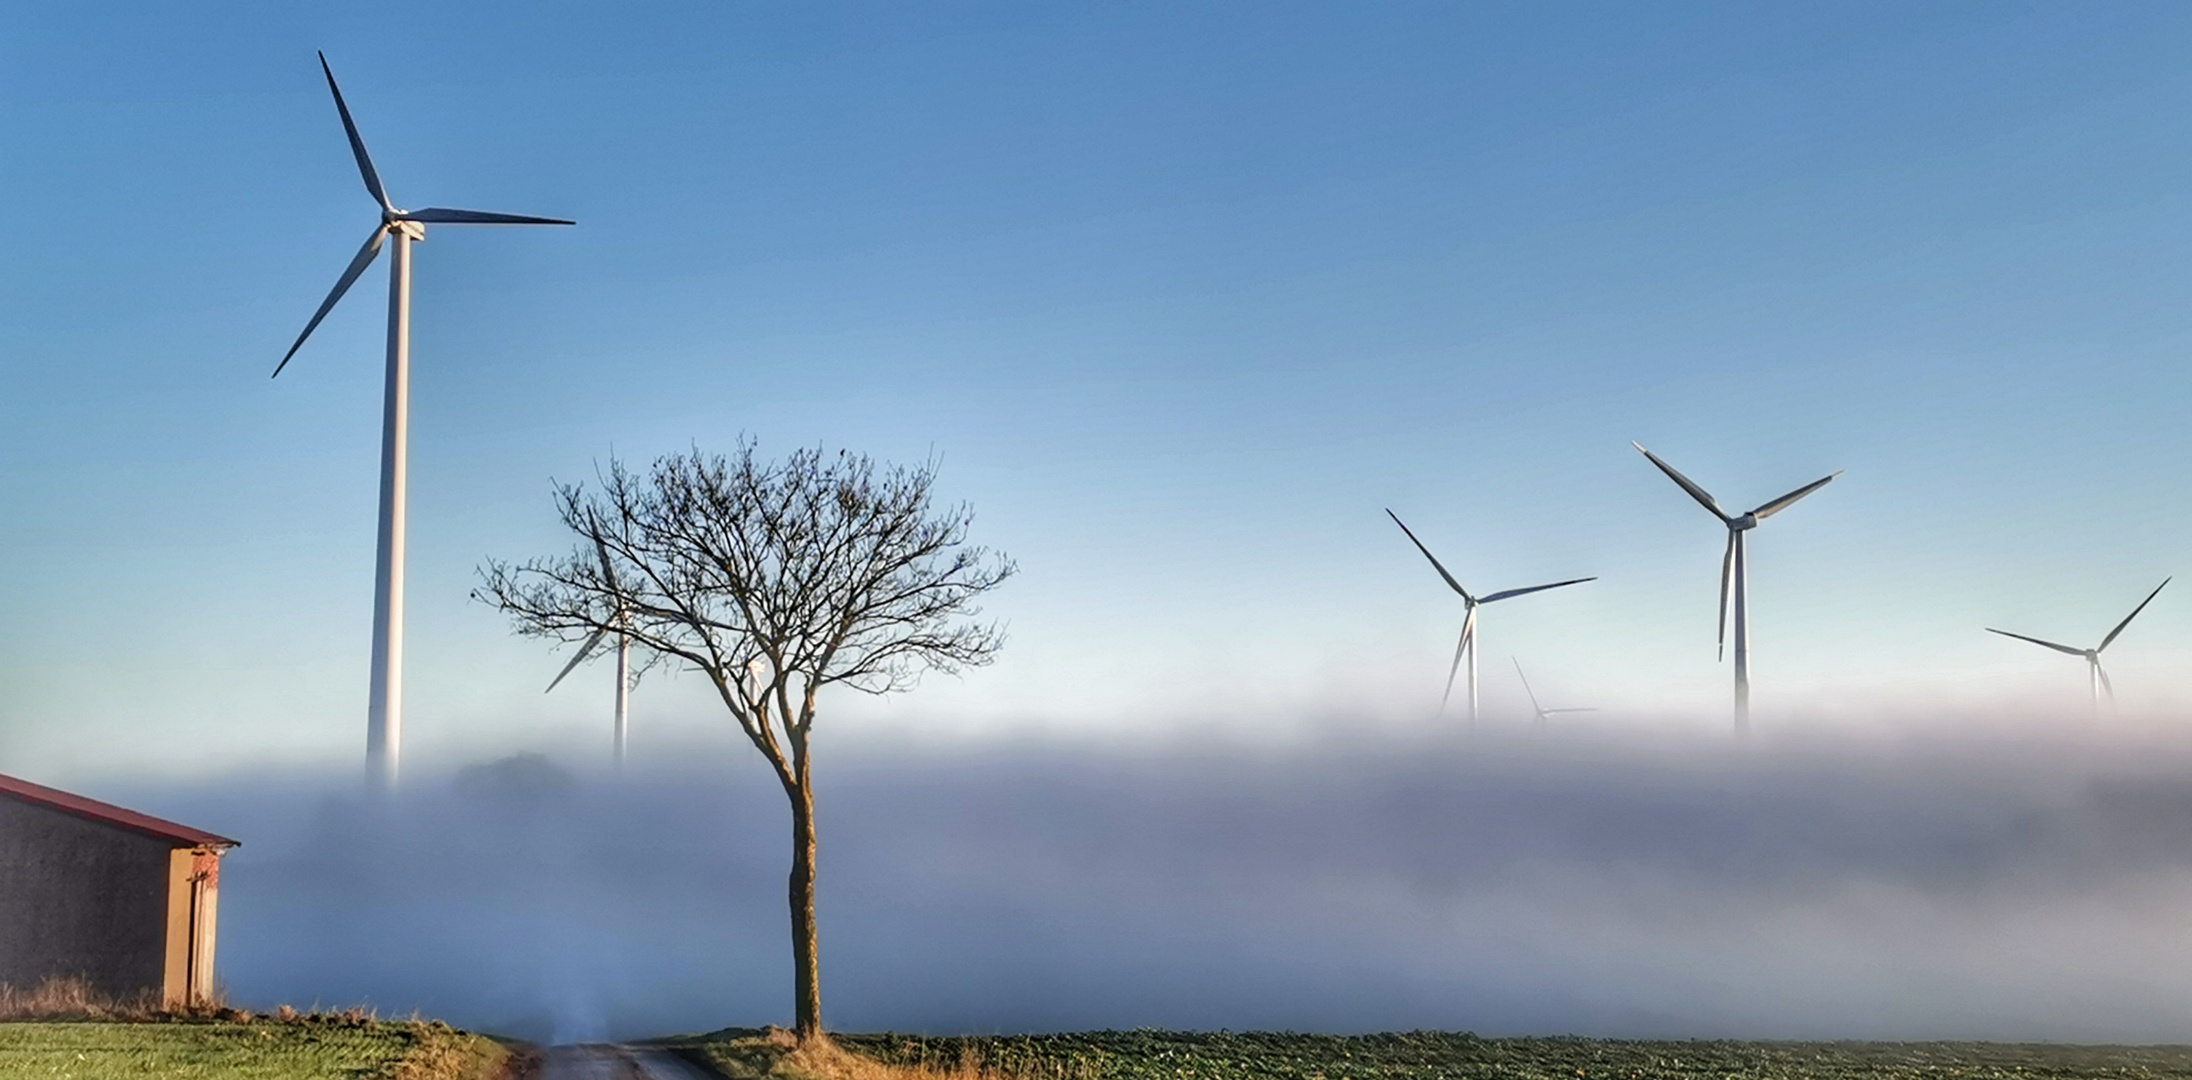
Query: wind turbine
x,y
1734,576
384,708
623,684
1542,711
624,658
2094,675
1467,646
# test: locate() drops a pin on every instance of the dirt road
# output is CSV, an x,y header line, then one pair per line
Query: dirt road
x,y
605,1061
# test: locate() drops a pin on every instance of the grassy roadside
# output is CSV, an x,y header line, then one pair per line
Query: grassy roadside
x,y
303,1048
1150,1055
773,1054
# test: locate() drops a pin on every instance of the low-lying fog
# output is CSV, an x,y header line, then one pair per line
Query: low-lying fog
x,y
1983,888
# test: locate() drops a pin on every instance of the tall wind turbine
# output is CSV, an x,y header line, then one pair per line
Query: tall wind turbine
x,y
384,708
623,654
1466,648
1734,576
2094,675
1542,711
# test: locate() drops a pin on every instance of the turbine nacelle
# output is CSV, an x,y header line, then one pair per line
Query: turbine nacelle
x,y
1741,524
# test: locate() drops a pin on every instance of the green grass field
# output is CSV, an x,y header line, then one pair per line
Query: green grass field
x,y
315,1049
1147,1055
333,1049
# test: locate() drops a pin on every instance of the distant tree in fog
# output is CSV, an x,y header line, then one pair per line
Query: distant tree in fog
x,y
774,580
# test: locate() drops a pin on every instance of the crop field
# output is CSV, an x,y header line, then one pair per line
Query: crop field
x,y
1148,1055
307,1049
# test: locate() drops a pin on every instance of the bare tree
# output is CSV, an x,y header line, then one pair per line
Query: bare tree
x,y
774,580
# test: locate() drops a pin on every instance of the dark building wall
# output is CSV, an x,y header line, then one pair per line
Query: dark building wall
x,y
78,898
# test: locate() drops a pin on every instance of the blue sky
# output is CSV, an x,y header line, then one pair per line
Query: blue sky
x,y
1182,296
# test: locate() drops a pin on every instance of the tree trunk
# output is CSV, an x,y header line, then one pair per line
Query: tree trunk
x,y
807,993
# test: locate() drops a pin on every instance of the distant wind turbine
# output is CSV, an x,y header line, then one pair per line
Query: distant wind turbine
x,y
384,708
1466,648
2096,677
623,655
1734,576
1542,711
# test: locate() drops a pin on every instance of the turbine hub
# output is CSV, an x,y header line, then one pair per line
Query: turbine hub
x,y
1747,521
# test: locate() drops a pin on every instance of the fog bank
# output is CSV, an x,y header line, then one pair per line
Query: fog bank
x,y
2036,888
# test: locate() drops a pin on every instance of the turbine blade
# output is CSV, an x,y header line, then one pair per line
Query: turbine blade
x,y
358,263
578,658
357,145
1460,647
2107,687
436,215
608,573
608,579
1525,683
1727,575
1703,499
1788,500
2135,612
2037,641
1504,594
1427,554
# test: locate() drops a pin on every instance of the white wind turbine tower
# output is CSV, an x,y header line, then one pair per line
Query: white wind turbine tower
x,y
1466,648
2096,677
623,654
384,708
1541,711
1734,577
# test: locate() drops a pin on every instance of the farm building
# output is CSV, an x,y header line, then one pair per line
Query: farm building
x,y
119,899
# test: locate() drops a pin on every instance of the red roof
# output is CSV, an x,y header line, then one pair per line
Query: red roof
x,y
109,814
